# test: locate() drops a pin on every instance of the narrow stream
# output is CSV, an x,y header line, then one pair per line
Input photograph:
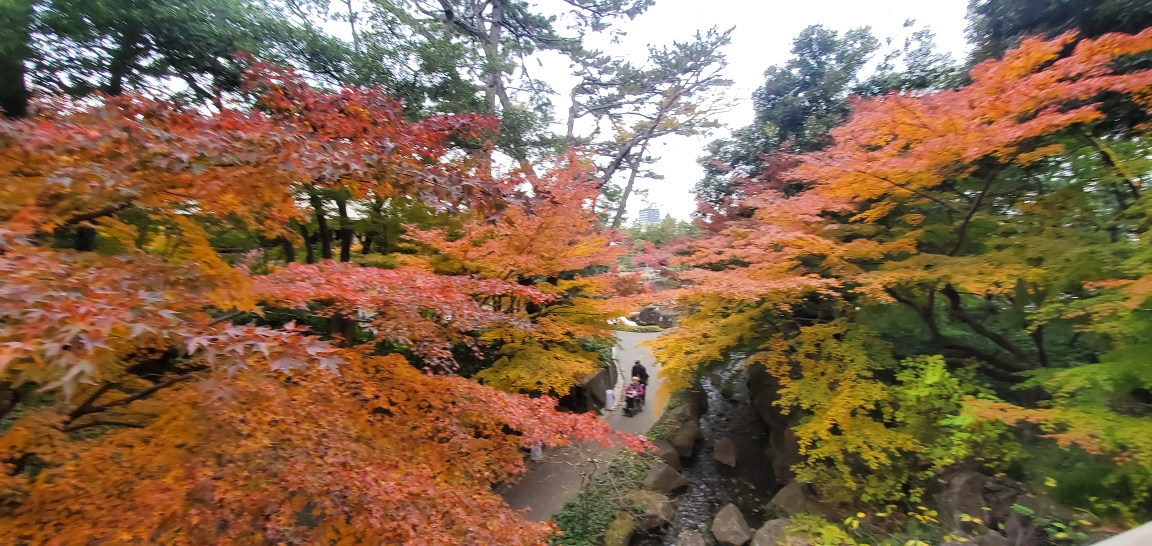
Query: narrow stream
x,y
749,486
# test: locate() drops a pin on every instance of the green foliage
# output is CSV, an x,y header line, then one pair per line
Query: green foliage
x,y
799,103
930,407
80,47
994,26
641,329
863,437
530,367
914,66
804,99
666,426
818,531
660,234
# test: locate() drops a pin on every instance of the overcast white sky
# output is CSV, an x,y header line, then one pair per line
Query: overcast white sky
x,y
762,37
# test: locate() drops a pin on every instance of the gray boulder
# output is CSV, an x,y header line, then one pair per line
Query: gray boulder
x,y
964,495
620,531
682,413
784,448
991,538
771,533
1021,531
796,498
655,509
728,391
725,451
685,438
729,526
690,538
985,537
716,379
662,478
698,399
765,409
1046,508
667,453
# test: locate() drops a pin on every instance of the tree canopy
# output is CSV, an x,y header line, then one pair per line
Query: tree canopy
x,y
157,388
979,247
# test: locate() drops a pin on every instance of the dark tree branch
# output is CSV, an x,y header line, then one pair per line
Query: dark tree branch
x,y
322,222
990,371
15,399
1041,353
87,403
88,408
957,312
926,314
101,422
976,205
1109,158
106,211
226,317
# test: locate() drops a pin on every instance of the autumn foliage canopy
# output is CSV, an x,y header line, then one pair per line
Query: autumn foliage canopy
x,y
914,286
157,390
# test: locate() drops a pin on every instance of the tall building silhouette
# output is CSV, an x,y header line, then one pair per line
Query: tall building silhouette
x,y
650,216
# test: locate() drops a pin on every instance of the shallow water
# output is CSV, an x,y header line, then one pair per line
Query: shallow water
x,y
749,486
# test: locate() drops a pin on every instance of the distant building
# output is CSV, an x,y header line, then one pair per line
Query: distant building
x,y
650,216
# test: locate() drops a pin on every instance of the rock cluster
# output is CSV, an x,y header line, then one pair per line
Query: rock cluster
x,y
981,509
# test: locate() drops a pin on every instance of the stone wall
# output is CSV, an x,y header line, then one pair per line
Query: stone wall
x,y
591,393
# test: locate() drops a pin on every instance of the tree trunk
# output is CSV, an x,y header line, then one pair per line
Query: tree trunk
x,y
343,328
613,165
352,17
345,230
309,255
123,58
322,223
366,244
85,238
620,210
289,250
14,51
570,137
492,54
521,155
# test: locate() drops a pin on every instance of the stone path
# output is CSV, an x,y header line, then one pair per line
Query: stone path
x,y
555,480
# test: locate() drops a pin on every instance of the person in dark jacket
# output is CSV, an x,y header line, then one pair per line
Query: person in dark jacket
x,y
638,370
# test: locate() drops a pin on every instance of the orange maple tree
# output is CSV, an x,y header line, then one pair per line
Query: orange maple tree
x,y
944,236
556,245
136,411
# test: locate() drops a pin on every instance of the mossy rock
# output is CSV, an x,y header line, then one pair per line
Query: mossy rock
x,y
620,531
